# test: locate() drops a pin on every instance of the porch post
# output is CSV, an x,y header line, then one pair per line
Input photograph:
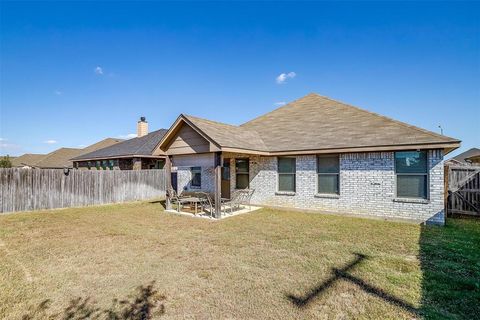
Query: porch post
x,y
168,181
218,184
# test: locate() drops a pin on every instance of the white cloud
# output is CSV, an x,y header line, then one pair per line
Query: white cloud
x,y
284,76
9,148
98,70
51,141
280,103
58,92
128,136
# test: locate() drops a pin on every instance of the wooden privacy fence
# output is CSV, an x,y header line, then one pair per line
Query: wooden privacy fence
x,y
36,189
463,190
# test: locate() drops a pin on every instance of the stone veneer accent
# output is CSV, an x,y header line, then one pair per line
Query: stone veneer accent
x,y
367,186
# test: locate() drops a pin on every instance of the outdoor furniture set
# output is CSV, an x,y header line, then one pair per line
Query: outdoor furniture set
x,y
204,201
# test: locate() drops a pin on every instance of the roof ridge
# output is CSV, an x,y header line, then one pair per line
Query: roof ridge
x,y
391,119
212,121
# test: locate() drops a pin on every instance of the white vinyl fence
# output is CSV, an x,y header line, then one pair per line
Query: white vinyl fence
x,y
36,189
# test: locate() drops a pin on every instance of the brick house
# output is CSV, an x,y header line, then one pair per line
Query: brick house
x,y
131,154
316,154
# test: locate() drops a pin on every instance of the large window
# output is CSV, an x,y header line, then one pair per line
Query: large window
x,y
412,174
328,170
242,175
286,174
196,177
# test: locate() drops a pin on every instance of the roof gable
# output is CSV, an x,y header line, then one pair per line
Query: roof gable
x,y
187,140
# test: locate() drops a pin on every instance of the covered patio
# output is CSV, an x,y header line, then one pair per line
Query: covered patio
x,y
199,204
200,181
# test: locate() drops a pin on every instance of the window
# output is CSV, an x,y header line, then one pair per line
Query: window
x,y
328,170
104,164
97,164
242,167
111,164
286,174
412,174
89,165
159,164
196,177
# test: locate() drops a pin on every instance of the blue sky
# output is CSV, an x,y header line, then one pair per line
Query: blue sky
x,y
74,73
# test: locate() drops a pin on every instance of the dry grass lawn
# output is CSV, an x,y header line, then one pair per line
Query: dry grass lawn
x,y
269,264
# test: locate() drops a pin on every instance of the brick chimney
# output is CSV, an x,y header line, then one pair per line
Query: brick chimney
x,y
142,127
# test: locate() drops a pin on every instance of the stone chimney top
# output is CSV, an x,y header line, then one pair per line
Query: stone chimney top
x,y
142,127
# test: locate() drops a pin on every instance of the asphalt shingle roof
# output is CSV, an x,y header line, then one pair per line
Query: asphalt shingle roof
x,y
28,159
60,158
227,135
315,122
136,146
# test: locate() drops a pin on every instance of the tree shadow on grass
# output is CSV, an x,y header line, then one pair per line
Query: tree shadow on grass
x,y
144,304
450,262
344,274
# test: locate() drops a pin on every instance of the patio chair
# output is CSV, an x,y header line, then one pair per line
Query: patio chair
x,y
235,201
239,197
207,203
247,197
175,198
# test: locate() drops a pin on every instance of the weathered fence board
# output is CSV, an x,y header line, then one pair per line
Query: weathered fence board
x,y
464,190
34,189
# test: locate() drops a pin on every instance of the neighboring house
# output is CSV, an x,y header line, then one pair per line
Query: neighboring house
x,y
132,154
317,154
475,160
59,158
27,160
471,156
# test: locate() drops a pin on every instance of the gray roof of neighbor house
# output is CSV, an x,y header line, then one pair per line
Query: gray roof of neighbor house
x,y
141,146
473,152
316,123
27,159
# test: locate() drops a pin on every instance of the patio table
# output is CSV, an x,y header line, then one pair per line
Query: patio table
x,y
194,200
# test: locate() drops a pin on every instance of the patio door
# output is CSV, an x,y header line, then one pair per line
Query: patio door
x,y
226,179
